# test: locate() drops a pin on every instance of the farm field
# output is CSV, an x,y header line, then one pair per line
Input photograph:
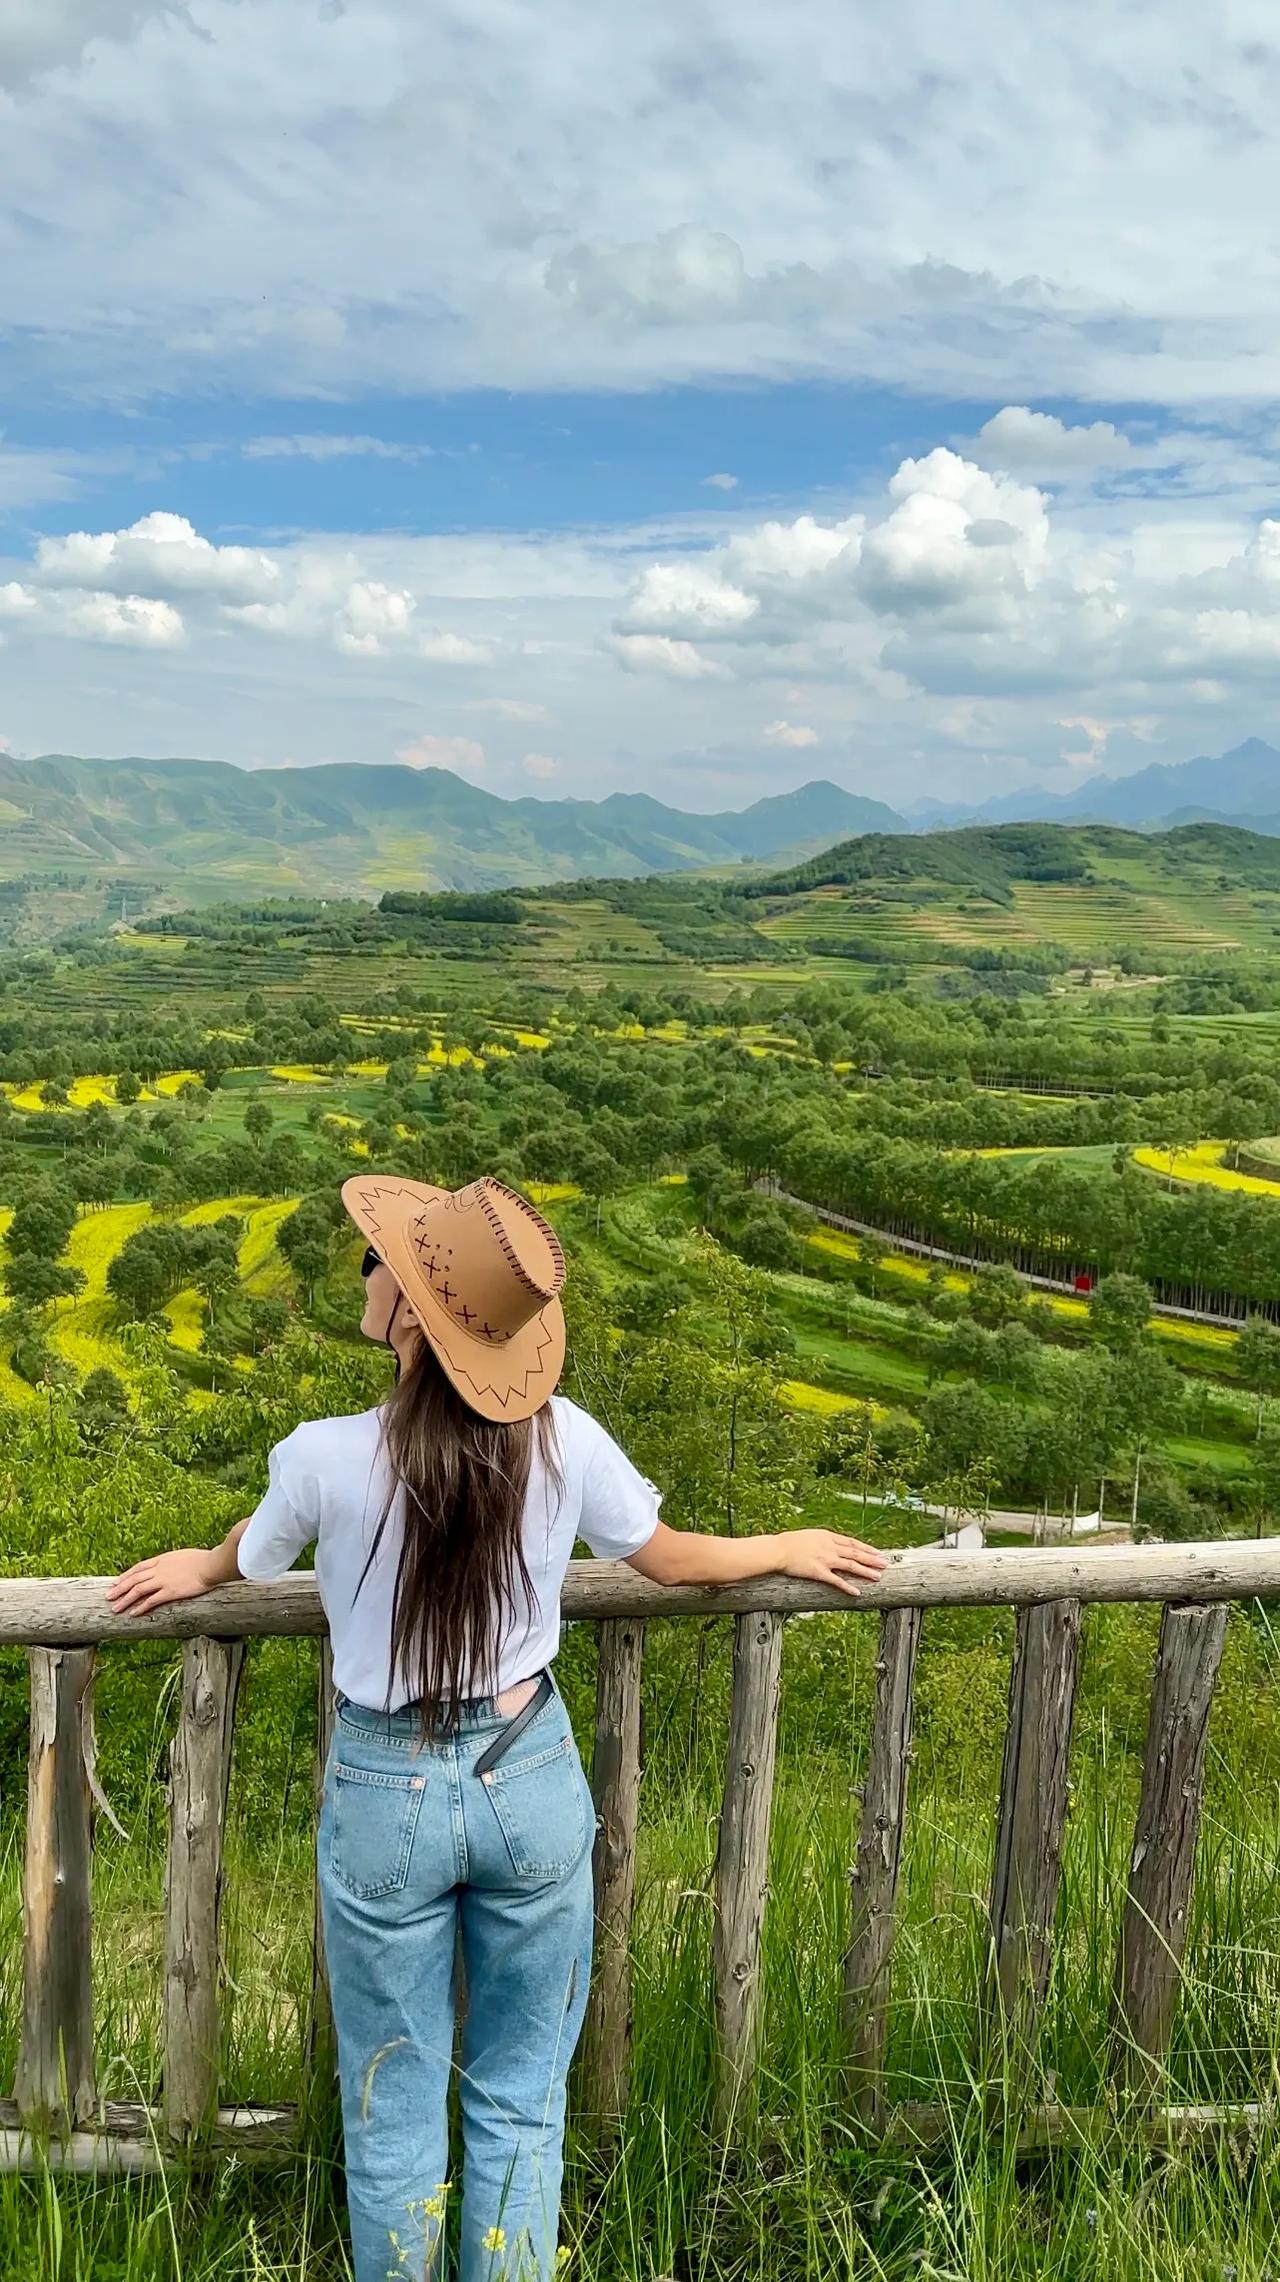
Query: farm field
x,y
1168,897
843,1352
1206,1162
1088,923
87,1332
763,1368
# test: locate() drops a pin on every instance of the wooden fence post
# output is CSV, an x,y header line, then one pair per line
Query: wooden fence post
x,y
1028,1855
54,2087
1153,1937
200,1767
874,1879
606,2055
742,1858
321,2043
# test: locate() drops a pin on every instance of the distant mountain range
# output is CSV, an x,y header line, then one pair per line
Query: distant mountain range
x,y
351,829
191,831
1240,787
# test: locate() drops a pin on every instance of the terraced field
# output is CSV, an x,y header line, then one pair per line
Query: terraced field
x,y
1087,890
1088,921
86,1331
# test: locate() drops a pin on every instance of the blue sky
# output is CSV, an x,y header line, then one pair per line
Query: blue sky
x,y
692,400
483,457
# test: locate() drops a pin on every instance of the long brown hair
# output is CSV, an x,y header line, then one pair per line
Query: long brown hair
x,y
465,1479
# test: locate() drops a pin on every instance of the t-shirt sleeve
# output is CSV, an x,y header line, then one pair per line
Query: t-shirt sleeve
x,y
288,1515
619,1507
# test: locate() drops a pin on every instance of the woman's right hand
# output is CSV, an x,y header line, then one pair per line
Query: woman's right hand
x,y
827,1557
179,1576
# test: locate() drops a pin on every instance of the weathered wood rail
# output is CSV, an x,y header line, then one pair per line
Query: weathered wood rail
x,y
56,2113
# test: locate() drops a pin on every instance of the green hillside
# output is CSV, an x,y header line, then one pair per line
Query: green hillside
x,y
197,830
1038,899
1090,891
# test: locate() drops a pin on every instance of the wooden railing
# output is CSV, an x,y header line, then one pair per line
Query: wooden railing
x,y
56,2113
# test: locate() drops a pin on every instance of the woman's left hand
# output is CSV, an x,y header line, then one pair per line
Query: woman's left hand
x,y
179,1576
831,1559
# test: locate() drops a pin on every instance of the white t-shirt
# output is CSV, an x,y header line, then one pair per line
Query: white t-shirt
x,y
327,1482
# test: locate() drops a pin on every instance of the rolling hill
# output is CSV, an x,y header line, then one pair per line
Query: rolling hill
x,y
1015,889
1021,900
205,828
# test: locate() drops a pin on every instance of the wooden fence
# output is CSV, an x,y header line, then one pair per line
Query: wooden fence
x,y
56,2113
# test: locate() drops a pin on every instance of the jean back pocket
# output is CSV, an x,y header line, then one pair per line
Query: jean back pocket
x,y
540,1805
374,1817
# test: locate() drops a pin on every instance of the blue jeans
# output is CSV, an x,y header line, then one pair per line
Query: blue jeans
x,y
415,1849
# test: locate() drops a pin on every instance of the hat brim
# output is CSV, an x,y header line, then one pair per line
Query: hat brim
x,y
512,1381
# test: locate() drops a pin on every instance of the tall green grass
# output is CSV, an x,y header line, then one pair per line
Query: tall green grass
x,y
790,2193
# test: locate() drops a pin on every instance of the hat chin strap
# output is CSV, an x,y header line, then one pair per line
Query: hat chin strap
x,y
386,1336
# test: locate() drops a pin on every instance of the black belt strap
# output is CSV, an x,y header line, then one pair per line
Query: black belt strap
x,y
516,1727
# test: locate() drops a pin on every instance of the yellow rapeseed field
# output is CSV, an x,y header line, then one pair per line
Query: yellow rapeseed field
x,y
837,1242
262,1271
12,1388
797,1394
1024,1149
85,1331
840,1245
1205,1164
82,1330
184,1314
97,1086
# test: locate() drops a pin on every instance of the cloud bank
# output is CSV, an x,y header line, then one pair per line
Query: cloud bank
x,y
960,626
216,194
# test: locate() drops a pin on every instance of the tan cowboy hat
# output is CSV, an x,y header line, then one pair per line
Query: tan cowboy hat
x,y
482,1271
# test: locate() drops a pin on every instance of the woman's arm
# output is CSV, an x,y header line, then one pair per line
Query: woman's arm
x,y
687,1557
179,1576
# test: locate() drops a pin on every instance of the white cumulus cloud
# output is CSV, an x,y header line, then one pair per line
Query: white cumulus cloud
x,y
660,654
373,618
954,531
303,592
956,627
794,734
462,754
686,597
136,621
1038,443
162,555
454,650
